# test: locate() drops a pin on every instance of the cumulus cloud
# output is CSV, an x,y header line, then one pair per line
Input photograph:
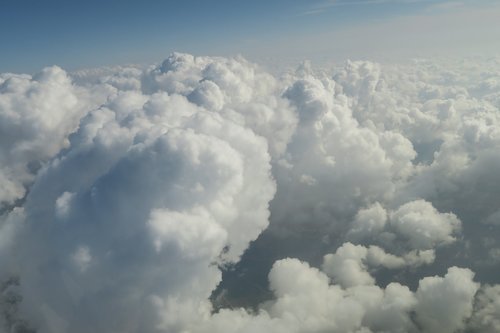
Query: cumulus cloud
x,y
349,265
444,303
368,221
306,301
424,226
486,317
152,192
127,193
414,231
346,266
37,113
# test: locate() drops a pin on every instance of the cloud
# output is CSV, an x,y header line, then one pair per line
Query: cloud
x,y
423,225
37,113
324,5
349,265
130,195
486,316
445,303
307,302
147,184
346,266
368,222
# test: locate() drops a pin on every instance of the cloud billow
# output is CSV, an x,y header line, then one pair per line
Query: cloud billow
x,y
126,192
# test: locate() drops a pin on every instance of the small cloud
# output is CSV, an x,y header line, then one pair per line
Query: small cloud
x,y
312,12
82,258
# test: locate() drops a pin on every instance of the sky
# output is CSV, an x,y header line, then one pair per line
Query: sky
x,y
252,166
96,33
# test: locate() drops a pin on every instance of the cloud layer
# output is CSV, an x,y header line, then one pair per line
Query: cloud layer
x,y
125,193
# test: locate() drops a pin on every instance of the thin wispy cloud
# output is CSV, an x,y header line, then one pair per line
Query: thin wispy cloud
x,y
323,6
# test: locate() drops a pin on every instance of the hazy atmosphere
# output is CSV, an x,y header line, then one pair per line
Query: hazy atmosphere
x,y
267,166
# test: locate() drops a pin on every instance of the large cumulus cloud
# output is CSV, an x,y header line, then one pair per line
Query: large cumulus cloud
x,y
127,192
151,194
307,301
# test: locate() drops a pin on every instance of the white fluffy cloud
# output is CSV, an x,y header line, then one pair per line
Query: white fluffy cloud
x,y
37,113
151,193
415,230
444,303
368,222
126,192
307,302
349,265
486,316
424,226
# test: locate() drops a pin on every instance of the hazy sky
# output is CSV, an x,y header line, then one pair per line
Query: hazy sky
x,y
95,33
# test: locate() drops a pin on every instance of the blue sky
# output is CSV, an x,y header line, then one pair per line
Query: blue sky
x,y
79,34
